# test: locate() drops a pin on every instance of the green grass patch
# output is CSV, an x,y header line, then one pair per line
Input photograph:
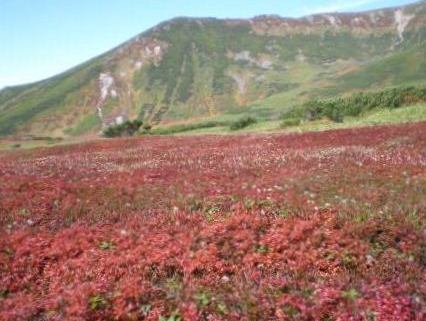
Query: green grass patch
x,y
174,129
87,124
415,113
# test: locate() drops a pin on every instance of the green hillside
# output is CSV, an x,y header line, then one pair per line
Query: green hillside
x,y
190,70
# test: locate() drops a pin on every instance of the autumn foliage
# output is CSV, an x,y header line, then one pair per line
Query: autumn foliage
x,y
315,226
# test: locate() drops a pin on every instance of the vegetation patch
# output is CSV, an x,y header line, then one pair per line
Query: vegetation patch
x,y
357,104
312,226
175,129
243,123
128,128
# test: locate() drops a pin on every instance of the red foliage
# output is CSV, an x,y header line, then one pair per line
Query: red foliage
x,y
318,226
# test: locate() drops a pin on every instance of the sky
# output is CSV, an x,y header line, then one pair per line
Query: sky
x,y
41,38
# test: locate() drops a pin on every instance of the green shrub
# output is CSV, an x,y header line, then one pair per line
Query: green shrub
x,y
290,122
147,127
128,128
358,103
336,115
243,123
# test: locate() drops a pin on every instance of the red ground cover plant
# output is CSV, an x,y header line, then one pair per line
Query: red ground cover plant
x,y
315,226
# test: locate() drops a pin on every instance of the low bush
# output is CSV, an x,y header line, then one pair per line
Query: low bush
x,y
243,123
128,128
336,108
147,127
290,122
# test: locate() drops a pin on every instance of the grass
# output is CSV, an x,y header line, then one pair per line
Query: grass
x,y
179,128
30,144
378,117
85,125
24,144
51,95
399,115
401,68
413,113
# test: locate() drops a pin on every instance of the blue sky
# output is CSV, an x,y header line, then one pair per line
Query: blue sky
x,y
40,38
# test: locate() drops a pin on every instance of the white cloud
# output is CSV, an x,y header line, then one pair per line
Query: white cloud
x,y
338,6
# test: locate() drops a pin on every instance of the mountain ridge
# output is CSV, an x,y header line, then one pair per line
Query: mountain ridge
x,y
191,68
178,18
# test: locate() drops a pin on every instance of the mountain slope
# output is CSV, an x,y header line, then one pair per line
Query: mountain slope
x,y
187,69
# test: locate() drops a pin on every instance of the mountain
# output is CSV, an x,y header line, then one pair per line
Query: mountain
x,y
188,69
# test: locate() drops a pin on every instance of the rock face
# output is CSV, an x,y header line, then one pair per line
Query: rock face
x,y
190,68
